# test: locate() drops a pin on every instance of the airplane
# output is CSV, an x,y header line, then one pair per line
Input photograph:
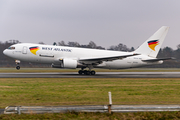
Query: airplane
x,y
64,57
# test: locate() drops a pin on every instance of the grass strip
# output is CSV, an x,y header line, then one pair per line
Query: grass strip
x,y
88,91
97,116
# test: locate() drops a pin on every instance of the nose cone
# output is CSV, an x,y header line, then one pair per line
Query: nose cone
x,y
5,52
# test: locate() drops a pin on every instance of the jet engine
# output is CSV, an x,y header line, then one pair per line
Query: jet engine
x,y
65,63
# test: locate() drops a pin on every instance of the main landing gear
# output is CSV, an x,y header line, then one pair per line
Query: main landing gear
x,y
17,63
87,72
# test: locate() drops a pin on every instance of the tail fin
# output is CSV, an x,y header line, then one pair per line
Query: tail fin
x,y
152,46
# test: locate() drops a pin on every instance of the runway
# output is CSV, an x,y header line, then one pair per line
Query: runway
x,y
98,75
1,111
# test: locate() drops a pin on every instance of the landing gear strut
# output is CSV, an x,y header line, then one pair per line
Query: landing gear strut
x,y
17,63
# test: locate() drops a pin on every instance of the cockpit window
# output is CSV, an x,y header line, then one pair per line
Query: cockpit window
x,y
11,48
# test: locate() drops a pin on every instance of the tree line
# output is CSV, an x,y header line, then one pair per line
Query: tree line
x,y
164,52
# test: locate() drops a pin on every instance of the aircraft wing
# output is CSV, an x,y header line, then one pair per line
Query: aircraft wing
x,y
101,59
158,59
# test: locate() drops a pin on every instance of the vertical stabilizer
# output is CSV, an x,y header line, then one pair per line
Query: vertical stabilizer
x,y
152,46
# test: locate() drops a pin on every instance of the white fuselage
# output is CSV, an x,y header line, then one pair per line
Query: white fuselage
x,y
51,54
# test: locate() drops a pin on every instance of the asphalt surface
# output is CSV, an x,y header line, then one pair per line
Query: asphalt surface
x,y
1,111
98,75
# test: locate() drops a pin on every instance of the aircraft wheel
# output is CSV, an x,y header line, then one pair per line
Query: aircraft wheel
x,y
86,72
93,72
80,72
17,67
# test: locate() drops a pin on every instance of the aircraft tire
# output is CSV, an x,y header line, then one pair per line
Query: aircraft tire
x,y
87,72
80,72
17,67
93,72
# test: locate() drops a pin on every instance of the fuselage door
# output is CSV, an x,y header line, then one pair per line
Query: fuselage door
x,y
24,50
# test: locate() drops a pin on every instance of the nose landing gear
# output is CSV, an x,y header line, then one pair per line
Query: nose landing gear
x,y
17,63
17,67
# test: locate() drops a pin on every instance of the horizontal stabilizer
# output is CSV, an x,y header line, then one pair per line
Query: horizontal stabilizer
x,y
158,59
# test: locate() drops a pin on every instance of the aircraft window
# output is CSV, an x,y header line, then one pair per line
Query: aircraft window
x,y
11,48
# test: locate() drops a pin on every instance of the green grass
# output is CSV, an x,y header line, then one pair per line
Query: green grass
x,y
32,70
88,91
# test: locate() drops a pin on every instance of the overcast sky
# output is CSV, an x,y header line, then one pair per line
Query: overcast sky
x,y
106,22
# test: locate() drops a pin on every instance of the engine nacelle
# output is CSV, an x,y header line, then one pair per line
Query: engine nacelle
x,y
66,63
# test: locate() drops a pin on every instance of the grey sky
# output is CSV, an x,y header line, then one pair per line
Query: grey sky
x,y
106,22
